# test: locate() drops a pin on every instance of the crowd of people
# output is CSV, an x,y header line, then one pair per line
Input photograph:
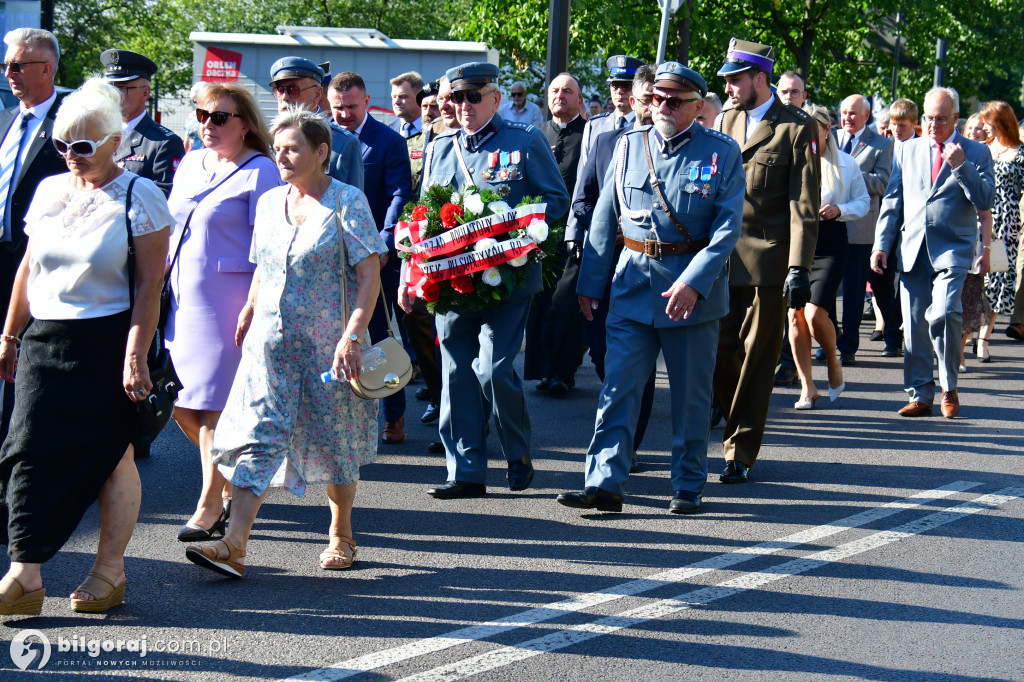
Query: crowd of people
x,y
717,238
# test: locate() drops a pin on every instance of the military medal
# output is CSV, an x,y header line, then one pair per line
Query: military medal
x,y
691,186
705,175
714,163
492,161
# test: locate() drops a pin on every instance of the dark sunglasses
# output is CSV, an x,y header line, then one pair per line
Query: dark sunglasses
x,y
83,148
673,102
471,96
292,89
15,67
217,118
517,95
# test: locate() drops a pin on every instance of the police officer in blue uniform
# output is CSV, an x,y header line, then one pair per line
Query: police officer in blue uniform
x,y
678,191
147,148
621,69
478,348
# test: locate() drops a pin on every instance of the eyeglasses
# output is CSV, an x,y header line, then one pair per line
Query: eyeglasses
x,y
790,93
292,89
217,118
517,95
937,120
83,148
471,96
125,88
673,102
16,67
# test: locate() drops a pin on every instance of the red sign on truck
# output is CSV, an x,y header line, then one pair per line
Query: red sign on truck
x,y
221,65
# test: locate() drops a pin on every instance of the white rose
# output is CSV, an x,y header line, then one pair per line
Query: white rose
x,y
485,244
455,198
491,276
474,204
499,207
537,230
519,261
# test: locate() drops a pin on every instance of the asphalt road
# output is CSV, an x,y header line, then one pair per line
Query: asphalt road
x,y
866,546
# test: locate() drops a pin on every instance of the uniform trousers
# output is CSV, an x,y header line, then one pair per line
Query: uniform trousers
x,y
933,316
480,383
633,349
748,349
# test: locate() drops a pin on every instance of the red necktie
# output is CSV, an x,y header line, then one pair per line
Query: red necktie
x,y
937,164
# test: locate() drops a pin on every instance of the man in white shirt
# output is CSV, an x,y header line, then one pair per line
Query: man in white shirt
x,y
520,109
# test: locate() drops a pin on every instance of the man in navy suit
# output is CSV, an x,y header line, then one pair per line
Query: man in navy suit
x,y
387,182
31,58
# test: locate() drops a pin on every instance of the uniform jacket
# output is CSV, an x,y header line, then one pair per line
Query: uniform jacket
x,y
946,212
589,183
602,123
566,145
346,164
873,153
151,151
536,174
780,214
713,211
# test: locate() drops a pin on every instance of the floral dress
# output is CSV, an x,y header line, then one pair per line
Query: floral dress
x,y
282,426
1000,286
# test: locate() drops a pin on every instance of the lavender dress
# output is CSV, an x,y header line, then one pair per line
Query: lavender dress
x,y
211,278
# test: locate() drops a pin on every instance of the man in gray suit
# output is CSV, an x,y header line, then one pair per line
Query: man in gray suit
x,y
938,184
873,154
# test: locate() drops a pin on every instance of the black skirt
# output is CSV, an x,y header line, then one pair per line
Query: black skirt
x,y
71,426
829,264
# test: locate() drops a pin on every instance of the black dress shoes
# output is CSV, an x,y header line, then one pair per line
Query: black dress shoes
x,y
520,473
432,414
544,384
423,393
455,490
435,447
848,359
558,388
786,376
685,503
193,533
735,472
592,498
892,352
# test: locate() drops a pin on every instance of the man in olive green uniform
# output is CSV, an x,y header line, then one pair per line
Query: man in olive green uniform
x,y
770,267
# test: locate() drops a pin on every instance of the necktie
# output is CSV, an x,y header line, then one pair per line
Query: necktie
x,y
937,163
11,152
622,122
849,144
407,130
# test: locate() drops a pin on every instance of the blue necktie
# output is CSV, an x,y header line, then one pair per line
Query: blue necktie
x,y
407,130
849,144
11,153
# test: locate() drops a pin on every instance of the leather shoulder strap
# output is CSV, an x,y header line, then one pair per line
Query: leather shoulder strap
x,y
656,187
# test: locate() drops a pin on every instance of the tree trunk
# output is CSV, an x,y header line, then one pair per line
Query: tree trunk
x,y
683,32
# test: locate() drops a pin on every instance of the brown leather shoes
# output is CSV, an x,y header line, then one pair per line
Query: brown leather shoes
x,y
394,432
950,404
916,409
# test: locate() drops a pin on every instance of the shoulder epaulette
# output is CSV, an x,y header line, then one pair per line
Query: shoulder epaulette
x,y
517,125
719,135
641,129
597,116
166,131
798,112
447,132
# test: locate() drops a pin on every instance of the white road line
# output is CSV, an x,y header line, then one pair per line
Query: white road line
x,y
380,659
580,633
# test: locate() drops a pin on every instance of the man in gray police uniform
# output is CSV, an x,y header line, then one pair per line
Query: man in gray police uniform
x,y
478,349
147,148
678,191
620,82
299,82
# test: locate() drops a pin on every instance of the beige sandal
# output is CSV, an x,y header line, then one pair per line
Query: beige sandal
x,y
106,594
207,556
15,601
333,554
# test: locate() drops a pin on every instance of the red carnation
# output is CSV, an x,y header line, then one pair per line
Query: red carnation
x,y
431,292
449,213
420,213
463,284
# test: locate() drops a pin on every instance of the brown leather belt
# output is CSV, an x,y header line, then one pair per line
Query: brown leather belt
x,y
652,248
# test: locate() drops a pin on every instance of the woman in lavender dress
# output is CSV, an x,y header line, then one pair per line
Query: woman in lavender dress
x,y
219,186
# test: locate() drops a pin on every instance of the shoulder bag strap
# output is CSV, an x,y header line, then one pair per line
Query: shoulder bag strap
x,y
344,264
131,244
656,186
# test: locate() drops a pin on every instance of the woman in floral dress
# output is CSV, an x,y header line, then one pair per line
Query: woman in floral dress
x,y
282,426
1008,156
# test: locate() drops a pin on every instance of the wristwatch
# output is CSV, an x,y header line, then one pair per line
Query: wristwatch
x,y
354,338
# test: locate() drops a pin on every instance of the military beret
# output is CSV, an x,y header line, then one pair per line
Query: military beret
x,y
674,75
744,55
622,67
429,90
472,75
125,65
295,67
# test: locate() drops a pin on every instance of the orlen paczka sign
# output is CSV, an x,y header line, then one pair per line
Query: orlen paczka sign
x,y
221,65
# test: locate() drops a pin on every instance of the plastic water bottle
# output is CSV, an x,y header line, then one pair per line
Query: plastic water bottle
x,y
373,358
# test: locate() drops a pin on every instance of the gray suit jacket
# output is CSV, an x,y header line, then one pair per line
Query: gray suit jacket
x,y
873,153
946,212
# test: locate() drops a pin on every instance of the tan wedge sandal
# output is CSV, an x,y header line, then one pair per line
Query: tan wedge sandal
x,y
107,596
330,557
15,601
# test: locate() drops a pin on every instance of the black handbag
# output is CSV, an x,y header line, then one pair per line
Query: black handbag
x,y
155,411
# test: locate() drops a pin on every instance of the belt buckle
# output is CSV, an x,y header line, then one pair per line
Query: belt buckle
x,y
652,248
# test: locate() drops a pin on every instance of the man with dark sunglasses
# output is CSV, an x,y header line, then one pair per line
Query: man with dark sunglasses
x,y
147,148
478,348
621,69
770,268
298,82
519,108
26,154
677,191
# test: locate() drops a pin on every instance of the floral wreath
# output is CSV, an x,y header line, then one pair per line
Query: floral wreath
x,y
467,252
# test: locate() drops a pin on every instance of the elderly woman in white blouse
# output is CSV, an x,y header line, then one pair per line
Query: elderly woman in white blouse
x,y
844,196
82,363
